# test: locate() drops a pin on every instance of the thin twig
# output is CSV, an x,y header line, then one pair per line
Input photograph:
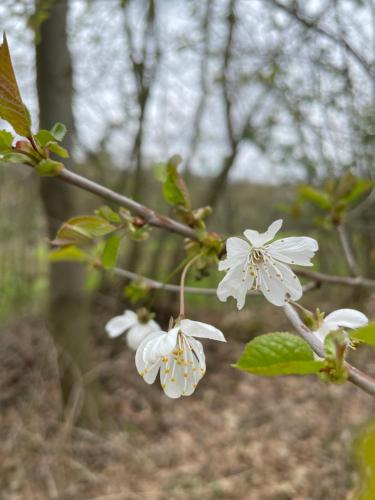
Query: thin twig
x,y
158,285
357,377
349,256
336,280
341,42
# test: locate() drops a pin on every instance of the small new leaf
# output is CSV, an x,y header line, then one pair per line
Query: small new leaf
x,y
6,140
14,158
12,109
366,334
83,228
108,214
49,168
43,137
58,131
335,345
57,149
136,291
69,253
110,251
279,353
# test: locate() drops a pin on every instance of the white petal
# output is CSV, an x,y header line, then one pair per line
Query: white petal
x,y
237,252
259,239
202,330
151,372
119,324
235,283
138,333
160,346
294,250
278,283
199,353
349,318
172,382
139,359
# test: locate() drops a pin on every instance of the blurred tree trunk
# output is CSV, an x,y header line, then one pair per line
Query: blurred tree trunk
x,y
68,303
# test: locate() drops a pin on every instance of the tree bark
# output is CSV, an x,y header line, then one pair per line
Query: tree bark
x,y
68,316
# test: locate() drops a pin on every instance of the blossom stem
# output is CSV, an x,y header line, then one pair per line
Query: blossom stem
x,y
182,284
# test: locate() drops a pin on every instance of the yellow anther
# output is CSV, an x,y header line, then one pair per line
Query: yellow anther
x,y
167,370
185,374
173,379
165,359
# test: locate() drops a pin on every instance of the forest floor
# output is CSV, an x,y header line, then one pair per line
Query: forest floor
x,y
238,437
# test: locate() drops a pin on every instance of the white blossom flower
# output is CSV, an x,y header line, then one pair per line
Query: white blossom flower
x,y
177,355
139,326
342,318
256,264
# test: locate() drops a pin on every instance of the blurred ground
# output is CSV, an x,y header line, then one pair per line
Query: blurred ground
x,y
238,437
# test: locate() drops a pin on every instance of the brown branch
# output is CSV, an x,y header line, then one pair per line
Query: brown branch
x,y
149,216
159,285
335,280
357,377
155,219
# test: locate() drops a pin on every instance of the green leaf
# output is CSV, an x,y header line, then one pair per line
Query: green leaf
x,y
82,229
366,334
319,198
48,168
136,291
14,158
108,214
110,251
43,137
12,109
58,131
278,353
57,149
69,253
6,140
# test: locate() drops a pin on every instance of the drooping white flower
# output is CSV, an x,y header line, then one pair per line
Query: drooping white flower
x,y
342,318
177,355
139,326
256,264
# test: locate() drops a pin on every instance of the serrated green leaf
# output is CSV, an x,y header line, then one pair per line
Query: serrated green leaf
x,y
12,109
57,149
58,131
43,137
110,251
6,140
14,158
69,253
279,353
48,168
366,334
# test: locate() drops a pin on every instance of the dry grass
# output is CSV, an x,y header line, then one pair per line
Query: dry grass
x,y
238,437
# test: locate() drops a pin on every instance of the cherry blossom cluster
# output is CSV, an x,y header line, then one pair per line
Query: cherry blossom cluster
x,y
256,262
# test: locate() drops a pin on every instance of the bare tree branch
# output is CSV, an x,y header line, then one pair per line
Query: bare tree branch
x,y
341,42
349,256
